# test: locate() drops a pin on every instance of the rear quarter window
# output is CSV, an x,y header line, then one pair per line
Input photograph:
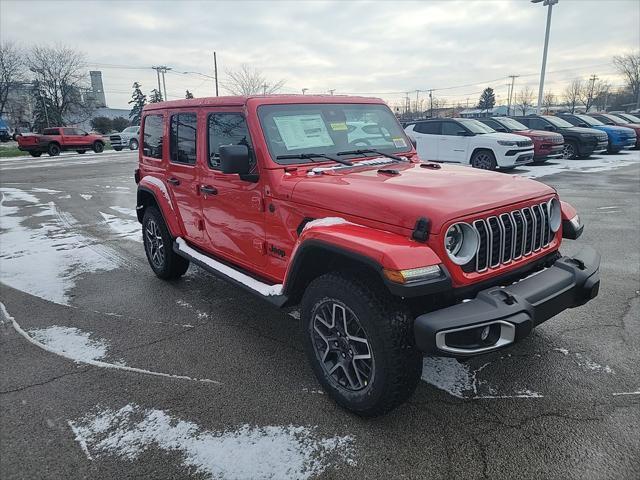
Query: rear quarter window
x,y
152,141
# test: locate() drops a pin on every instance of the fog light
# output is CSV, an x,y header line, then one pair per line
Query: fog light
x,y
484,334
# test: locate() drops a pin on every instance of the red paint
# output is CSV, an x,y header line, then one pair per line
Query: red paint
x,y
254,225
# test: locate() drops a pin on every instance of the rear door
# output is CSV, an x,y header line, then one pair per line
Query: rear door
x,y
181,171
453,142
233,209
427,135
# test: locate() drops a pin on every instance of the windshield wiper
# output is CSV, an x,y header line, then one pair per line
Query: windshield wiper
x,y
311,156
371,150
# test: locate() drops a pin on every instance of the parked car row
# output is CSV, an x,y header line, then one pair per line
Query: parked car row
x,y
507,142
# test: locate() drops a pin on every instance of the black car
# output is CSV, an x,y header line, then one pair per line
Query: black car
x,y
579,142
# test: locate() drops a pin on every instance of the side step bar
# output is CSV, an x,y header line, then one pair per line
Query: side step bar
x,y
271,293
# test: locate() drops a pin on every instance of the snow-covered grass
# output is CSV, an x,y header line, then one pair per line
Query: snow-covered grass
x,y
45,258
247,452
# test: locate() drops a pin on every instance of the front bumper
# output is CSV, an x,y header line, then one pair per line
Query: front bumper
x,y
511,312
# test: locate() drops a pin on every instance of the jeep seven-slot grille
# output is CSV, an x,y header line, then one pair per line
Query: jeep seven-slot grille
x,y
510,236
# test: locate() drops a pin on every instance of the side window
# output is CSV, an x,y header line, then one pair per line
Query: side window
x,y
69,131
492,123
152,143
182,142
537,124
77,131
429,128
51,131
452,128
227,129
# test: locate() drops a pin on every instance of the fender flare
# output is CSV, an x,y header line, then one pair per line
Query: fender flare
x,y
319,247
158,190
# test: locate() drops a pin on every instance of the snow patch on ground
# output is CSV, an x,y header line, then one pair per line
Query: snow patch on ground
x,y
125,228
594,164
248,452
458,380
585,362
42,254
125,211
86,196
71,342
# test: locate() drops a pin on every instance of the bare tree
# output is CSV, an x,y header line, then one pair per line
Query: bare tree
x,y
628,66
592,90
548,101
572,93
61,82
525,99
248,80
11,71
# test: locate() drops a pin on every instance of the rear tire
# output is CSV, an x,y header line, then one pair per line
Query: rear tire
x,y
80,151
117,149
340,307
484,160
158,245
53,150
35,154
98,147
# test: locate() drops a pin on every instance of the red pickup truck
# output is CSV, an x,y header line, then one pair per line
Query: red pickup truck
x,y
387,255
58,139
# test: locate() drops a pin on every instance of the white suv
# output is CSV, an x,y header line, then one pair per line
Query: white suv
x,y
467,141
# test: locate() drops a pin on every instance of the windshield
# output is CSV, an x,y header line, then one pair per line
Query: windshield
x,y
475,126
511,124
295,129
590,120
631,118
130,129
558,122
613,118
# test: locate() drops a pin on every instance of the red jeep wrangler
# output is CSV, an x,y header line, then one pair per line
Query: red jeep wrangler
x,y
387,256
58,139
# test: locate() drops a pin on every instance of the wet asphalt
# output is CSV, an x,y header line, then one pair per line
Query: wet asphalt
x,y
582,422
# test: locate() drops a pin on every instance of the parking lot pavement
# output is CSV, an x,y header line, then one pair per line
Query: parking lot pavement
x,y
109,372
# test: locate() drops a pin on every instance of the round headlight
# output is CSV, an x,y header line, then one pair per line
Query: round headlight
x,y
555,214
461,242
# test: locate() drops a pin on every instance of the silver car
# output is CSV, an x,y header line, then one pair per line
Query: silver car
x,y
128,138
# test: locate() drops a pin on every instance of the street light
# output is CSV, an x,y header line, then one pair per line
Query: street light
x,y
550,4
304,91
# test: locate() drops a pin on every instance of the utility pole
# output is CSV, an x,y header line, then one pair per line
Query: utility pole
x,y
513,81
417,92
162,69
215,71
331,91
431,103
592,87
264,88
304,91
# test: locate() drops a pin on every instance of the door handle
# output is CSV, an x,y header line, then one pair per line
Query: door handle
x,y
208,190
173,181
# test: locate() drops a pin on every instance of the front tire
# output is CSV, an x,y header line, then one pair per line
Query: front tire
x,y
98,147
158,245
359,342
484,160
133,144
117,149
81,151
570,151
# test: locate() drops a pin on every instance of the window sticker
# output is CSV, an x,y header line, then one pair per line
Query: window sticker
x,y
303,131
339,126
399,142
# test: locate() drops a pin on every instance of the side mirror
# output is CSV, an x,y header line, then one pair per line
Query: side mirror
x,y
583,125
235,159
464,133
500,129
550,128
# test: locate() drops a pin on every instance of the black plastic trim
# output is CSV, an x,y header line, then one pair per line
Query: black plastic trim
x,y
569,283
569,231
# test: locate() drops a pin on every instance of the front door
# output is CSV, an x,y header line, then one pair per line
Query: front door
x,y
181,173
233,209
73,138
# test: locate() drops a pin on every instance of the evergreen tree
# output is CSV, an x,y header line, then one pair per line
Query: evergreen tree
x,y
487,99
188,94
137,102
155,96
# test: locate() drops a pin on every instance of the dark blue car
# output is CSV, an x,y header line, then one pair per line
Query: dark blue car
x,y
4,131
619,137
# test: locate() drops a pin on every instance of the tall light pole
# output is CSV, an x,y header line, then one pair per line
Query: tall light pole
x,y
549,4
304,91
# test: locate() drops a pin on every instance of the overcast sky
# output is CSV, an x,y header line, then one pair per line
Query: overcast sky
x,y
352,47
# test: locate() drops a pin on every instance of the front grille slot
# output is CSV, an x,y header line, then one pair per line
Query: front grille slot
x,y
510,236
